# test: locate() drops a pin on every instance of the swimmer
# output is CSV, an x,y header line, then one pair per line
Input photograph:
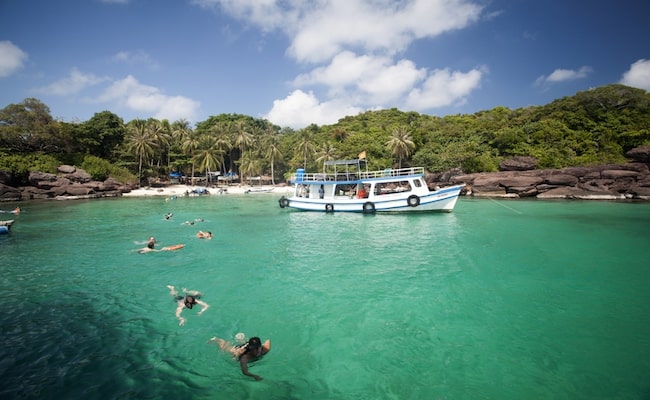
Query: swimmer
x,y
151,244
169,215
188,300
245,353
204,235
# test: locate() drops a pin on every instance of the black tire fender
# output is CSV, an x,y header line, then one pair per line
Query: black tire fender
x,y
368,207
413,201
284,202
329,207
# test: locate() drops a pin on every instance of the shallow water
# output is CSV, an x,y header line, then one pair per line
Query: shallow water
x,y
497,300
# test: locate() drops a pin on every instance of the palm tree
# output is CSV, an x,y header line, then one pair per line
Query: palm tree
x,y
272,150
140,142
326,153
189,146
306,145
223,140
243,138
207,156
159,131
400,144
249,165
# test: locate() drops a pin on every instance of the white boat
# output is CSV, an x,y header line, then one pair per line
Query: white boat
x,y
5,226
259,190
347,185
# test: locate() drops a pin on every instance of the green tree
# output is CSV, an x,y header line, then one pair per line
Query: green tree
x,y
272,150
207,156
243,139
327,152
400,144
102,134
140,142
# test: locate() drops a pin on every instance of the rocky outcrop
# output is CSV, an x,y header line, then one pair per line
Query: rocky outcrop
x,y
69,183
516,180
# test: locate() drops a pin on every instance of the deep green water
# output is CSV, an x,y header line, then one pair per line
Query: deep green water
x,y
497,300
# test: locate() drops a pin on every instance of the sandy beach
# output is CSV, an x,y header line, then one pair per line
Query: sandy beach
x,y
179,190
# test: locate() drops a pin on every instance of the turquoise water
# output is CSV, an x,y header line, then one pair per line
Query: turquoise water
x,y
497,300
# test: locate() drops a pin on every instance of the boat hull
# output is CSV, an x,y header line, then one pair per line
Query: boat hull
x,y
443,200
5,226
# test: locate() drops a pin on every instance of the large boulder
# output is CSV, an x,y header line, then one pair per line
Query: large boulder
x,y
640,154
561,179
79,176
66,169
8,193
520,163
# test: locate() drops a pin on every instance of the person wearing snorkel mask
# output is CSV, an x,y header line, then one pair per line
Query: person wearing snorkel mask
x,y
245,353
189,300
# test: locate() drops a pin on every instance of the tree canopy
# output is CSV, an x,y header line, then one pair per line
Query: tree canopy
x,y
595,126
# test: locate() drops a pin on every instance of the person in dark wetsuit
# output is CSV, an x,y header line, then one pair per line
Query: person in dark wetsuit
x,y
245,353
190,299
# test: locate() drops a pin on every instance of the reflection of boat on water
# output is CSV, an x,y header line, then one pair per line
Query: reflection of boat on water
x,y
5,226
259,190
346,186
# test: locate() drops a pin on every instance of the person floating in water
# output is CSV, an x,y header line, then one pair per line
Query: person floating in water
x,y
169,215
245,353
188,300
151,243
204,235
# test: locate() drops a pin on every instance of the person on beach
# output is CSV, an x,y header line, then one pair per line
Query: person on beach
x,y
245,353
188,300
204,235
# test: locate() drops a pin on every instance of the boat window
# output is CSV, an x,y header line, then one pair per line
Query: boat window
x,y
345,190
417,183
392,187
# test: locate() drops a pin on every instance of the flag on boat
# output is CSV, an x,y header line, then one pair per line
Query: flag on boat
x,y
362,155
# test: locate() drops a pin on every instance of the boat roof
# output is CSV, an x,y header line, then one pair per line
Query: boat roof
x,y
345,162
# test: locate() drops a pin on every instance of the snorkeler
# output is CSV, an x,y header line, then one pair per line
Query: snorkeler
x,y
190,299
245,353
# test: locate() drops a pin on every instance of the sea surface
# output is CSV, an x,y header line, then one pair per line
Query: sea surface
x,y
497,300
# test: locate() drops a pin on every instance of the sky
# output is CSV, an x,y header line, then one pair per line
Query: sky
x,y
296,62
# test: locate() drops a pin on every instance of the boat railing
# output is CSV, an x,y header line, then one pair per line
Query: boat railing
x,y
355,175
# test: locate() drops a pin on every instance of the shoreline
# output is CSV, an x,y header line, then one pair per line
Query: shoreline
x,y
180,190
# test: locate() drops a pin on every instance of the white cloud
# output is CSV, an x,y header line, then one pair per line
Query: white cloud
x,y
376,26
443,88
376,78
72,84
320,30
149,100
136,57
11,58
301,109
563,75
354,47
638,75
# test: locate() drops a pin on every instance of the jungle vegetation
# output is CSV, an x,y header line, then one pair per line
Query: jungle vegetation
x,y
596,126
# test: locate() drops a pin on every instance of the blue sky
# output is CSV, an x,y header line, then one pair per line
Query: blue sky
x,y
299,62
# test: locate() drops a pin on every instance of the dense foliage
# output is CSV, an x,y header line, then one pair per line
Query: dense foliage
x,y
592,127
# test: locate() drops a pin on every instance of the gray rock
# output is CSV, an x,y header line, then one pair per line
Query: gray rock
x,y
520,163
640,154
